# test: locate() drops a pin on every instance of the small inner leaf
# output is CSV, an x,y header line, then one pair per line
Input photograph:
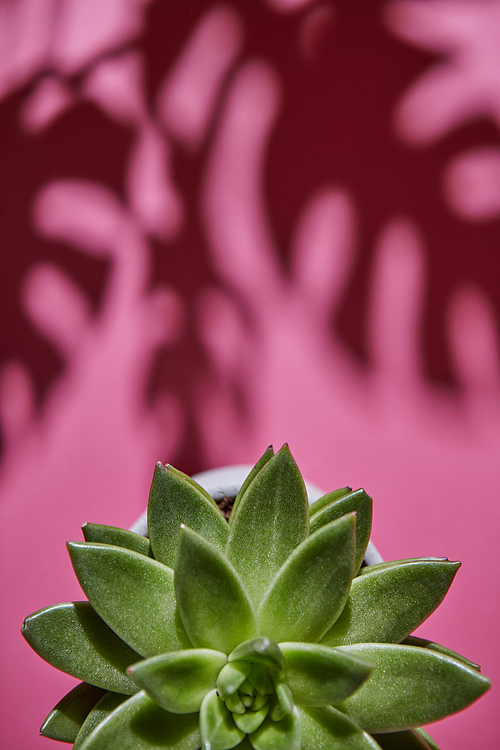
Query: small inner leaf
x,y
213,603
132,593
271,520
358,502
278,735
96,532
179,681
309,592
231,677
418,687
174,499
217,728
73,638
259,677
328,729
259,651
389,603
66,718
322,676
251,720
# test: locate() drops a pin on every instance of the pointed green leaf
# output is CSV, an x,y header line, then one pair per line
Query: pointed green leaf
x,y
395,563
179,681
64,721
418,687
139,724
133,594
101,711
278,735
358,502
412,640
266,456
174,499
73,638
282,700
407,740
386,605
96,532
251,720
319,676
213,603
328,729
330,497
259,678
271,520
217,728
231,677
259,651
310,590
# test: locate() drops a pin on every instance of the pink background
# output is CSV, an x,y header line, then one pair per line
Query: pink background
x,y
225,225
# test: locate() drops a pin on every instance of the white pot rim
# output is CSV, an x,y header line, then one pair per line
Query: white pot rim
x,y
226,481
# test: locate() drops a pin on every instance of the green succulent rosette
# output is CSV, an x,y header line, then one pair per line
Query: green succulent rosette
x,y
259,632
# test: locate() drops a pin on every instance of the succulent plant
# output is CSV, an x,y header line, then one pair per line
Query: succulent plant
x,y
263,631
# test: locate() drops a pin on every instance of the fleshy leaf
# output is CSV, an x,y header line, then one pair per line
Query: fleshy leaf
x,y
101,711
250,721
179,681
386,605
213,603
320,676
278,735
426,736
133,594
330,497
418,687
407,740
310,591
217,728
358,502
412,640
231,677
266,456
96,532
174,499
396,563
73,638
64,721
139,724
259,677
282,702
259,651
328,729
271,520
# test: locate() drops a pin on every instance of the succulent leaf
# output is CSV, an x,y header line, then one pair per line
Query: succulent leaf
x,y
133,594
328,729
73,638
278,735
213,603
64,721
309,592
179,681
251,720
330,497
321,676
395,563
175,499
410,686
277,492
259,651
96,532
386,605
412,640
217,728
101,711
407,740
231,677
358,502
139,724
426,736
266,456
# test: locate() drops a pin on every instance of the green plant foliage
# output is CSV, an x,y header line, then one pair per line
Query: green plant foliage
x,y
260,633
